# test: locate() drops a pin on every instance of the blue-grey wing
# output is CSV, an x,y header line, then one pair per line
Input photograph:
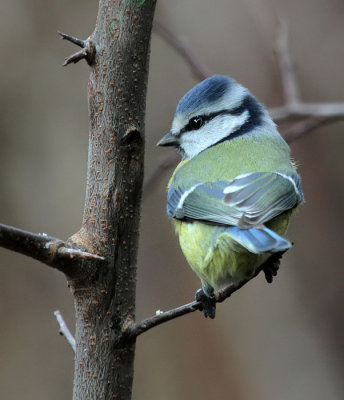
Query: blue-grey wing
x,y
247,201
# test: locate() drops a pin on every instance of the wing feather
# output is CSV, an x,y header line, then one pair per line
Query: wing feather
x,y
249,200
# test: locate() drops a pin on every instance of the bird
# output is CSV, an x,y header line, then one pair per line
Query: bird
x,y
232,195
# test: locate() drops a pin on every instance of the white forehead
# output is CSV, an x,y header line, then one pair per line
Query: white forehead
x,y
230,99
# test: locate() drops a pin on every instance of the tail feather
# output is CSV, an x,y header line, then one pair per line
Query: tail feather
x,y
259,240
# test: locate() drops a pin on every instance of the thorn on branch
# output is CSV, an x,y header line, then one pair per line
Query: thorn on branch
x,y
76,57
87,52
64,331
75,253
78,42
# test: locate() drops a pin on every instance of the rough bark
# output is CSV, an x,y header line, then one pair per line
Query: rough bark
x,y
105,298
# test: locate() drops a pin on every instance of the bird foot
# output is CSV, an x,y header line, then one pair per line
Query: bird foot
x,y
271,266
208,303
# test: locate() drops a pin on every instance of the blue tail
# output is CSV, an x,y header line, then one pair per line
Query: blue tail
x,y
259,241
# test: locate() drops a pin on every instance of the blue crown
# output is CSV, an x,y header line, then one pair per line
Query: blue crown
x,y
208,91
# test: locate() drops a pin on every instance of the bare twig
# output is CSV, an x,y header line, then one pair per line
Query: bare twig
x,y
289,82
64,331
302,128
198,68
138,328
87,52
293,106
334,111
44,248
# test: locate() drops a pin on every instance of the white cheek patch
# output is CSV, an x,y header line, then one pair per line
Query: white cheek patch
x,y
193,142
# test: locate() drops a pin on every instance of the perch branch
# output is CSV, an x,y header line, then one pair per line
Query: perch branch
x,y
64,331
87,52
44,248
137,329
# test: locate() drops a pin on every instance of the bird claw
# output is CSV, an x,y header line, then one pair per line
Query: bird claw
x,y
208,303
271,266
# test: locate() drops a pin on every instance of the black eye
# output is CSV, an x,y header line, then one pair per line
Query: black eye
x,y
196,122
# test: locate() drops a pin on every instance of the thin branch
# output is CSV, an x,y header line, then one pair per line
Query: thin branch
x,y
87,52
47,249
64,331
334,111
304,127
137,329
293,106
291,92
198,68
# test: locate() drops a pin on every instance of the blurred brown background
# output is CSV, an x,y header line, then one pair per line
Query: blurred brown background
x,y
283,341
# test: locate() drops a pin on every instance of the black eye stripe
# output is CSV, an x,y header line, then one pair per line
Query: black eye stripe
x,y
206,118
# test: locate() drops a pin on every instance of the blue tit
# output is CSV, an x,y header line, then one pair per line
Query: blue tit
x,y
232,195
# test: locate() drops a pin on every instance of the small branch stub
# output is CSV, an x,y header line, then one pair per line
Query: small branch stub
x,y
64,331
87,52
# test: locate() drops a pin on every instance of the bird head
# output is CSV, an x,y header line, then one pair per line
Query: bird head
x,y
215,110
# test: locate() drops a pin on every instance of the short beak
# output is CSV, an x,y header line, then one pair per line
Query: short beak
x,y
168,140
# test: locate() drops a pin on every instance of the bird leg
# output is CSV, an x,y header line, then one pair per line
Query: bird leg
x,y
206,297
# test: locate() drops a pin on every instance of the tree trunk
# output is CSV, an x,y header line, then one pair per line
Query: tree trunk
x,y
105,297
